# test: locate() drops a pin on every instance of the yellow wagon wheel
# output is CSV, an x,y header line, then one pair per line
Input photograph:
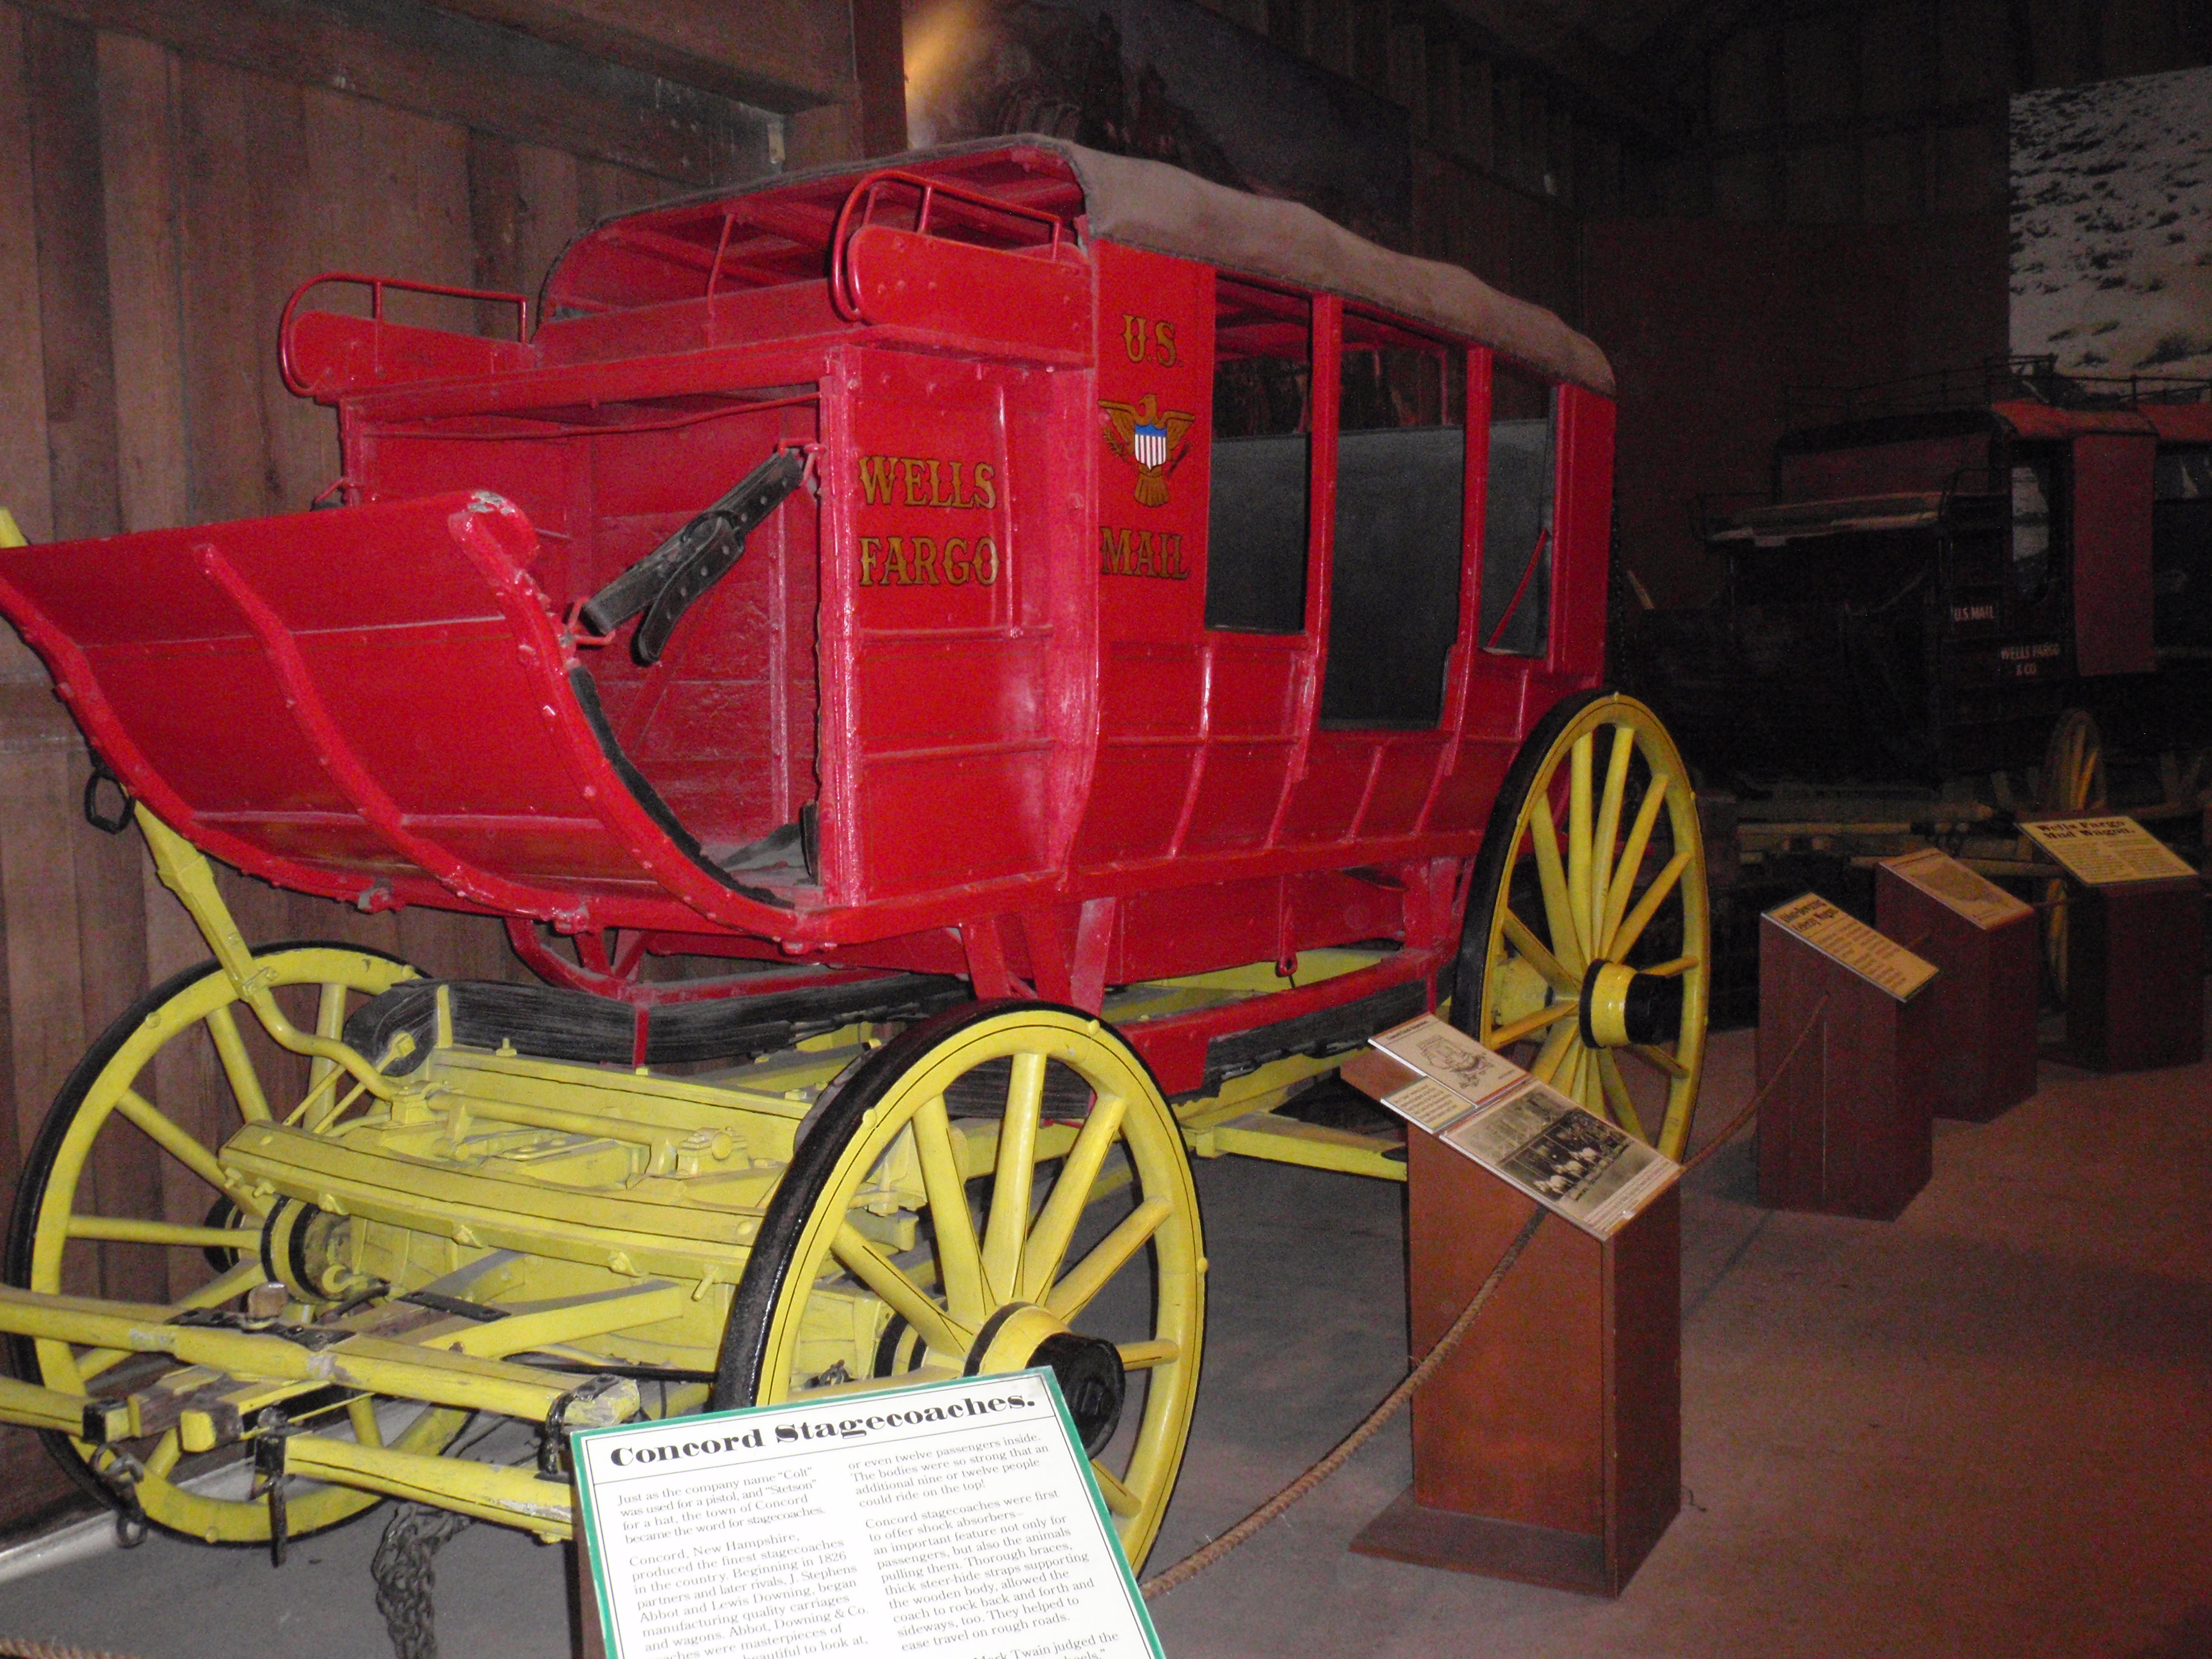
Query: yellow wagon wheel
x,y
123,1195
1587,948
1085,1256
2073,781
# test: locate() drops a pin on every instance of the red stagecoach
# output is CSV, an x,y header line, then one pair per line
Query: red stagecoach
x,y
969,681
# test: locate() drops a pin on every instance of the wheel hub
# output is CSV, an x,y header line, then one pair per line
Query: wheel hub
x,y
1621,1006
1022,1336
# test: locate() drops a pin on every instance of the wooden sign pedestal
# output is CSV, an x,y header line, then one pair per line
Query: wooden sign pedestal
x,y
1983,1002
2134,976
1848,1128
1547,1448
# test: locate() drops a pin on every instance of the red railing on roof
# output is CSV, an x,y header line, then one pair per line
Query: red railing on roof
x,y
376,285
862,203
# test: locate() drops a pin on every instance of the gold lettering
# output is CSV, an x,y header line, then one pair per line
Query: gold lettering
x,y
987,558
1133,337
936,500
956,560
894,566
1156,553
986,494
913,468
1163,338
876,477
871,546
925,561
958,499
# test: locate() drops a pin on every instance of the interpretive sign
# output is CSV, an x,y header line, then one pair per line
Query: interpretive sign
x,y
1845,939
1486,1108
2105,852
953,1520
1964,892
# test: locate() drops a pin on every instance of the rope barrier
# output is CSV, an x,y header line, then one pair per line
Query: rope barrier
x,y
1199,1560
1207,1555
13,1647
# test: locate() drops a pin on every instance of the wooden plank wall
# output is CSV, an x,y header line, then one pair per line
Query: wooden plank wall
x,y
157,208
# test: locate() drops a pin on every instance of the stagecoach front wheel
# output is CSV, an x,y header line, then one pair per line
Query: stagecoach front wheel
x,y
998,1188
1586,954
122,1196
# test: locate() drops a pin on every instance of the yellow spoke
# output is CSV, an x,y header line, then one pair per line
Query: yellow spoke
x,y
238,1066
1119,1498
237,1282
1616,1090
1107,1257
1558,913
361,1411
880,1274
1009,1222
1071,1196
958,1260
1631,861
1648,906
1660,1059
1143,1355
1563,1037
1506,1036
178,1145
123,1230
1537,955
1670,970
1608,827
1579,845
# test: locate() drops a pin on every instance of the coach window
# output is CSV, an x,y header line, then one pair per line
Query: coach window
x,y
1517,528
1401,490
1255,561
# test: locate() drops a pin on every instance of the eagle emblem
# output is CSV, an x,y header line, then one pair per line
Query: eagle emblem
x,y
1152,440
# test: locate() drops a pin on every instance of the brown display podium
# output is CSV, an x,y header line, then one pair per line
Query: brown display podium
x,y
2135,946
1988,959
1848,1053
1547,1448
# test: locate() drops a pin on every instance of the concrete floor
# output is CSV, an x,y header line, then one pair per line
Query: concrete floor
x,y
1985,1428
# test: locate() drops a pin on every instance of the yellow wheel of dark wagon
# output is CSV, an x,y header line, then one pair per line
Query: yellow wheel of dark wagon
x,y
123,1195
1587,948
999,1187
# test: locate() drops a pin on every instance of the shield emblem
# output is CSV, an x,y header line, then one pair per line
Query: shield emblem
x,y
1151,445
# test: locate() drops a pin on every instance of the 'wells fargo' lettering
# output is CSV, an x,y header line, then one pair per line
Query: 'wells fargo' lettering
x,y
923,561
923,481
1141,553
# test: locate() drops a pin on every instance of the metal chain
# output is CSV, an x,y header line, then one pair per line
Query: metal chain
x,y
403,1568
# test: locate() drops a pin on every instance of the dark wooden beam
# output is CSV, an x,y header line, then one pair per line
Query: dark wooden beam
x,y
61,76
419,57
879,68
1608,87
783,55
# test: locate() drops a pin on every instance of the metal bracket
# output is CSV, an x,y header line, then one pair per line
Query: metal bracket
x,y
271,1429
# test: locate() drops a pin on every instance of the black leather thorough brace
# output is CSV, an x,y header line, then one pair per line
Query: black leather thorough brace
x,y
665,581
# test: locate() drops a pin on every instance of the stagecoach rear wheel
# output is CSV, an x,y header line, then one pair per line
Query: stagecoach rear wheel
x,y
1086,1255
2072,781
1587,948
122,1195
